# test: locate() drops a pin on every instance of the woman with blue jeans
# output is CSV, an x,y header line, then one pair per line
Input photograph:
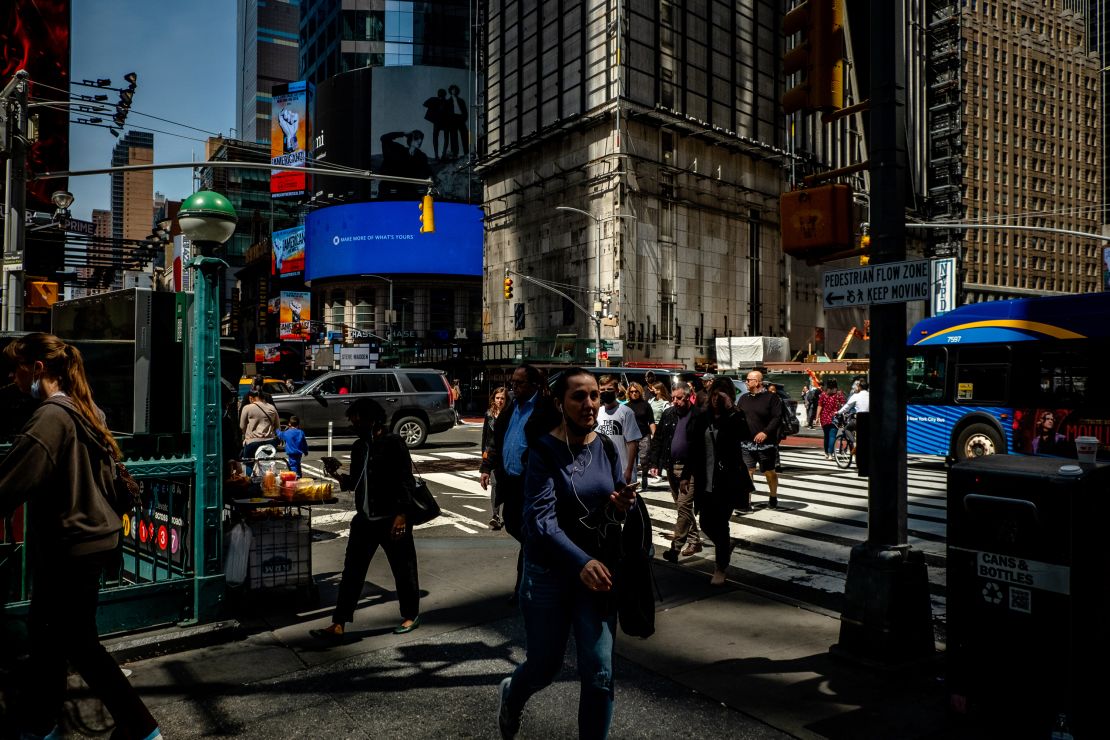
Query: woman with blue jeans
x,y
575,500
828,404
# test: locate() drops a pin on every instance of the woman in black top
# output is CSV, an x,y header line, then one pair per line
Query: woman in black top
x,y
645,420
497,401
382,481
721,480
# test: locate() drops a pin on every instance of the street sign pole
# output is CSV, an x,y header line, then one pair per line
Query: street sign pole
x,y
886,618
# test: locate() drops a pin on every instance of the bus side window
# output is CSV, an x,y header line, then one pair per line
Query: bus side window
x,y
925,375
1063,379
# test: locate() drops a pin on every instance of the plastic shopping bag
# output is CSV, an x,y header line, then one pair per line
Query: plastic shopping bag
x,y
238,555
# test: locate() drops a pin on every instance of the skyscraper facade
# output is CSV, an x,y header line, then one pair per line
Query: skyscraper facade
x,y
635,157
341,35
266,51
132,192
1033,148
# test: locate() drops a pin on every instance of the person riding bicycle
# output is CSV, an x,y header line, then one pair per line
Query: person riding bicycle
x,y
845,417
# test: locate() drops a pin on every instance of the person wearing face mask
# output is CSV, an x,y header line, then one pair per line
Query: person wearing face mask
x,y
61,465
618,422
575,501
529,414
382,481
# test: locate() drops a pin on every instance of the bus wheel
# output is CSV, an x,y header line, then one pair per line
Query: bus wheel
x,y
977,440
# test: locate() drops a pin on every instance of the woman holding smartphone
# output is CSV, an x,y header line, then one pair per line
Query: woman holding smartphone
x,y
574,502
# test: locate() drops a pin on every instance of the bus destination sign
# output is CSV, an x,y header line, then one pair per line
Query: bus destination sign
x,y
890,282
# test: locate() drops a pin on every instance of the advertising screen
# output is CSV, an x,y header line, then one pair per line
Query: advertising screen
x,y
36,38
287,258
404,121
289,134
295,320
384,237
1106,268
267,353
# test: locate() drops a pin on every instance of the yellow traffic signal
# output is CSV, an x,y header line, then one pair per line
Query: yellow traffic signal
x,y
427,216
508,288
818,56
865,249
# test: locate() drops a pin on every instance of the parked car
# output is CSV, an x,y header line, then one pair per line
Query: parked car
x,y
273,386
416,401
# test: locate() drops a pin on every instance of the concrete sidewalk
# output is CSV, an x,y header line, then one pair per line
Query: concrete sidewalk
x,y
724,662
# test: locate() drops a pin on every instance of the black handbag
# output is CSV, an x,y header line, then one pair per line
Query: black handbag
x,y
425,508
635,583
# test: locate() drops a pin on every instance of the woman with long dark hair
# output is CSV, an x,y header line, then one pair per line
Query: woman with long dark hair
x,y
828,403
497,401
721,479
62,466
574,501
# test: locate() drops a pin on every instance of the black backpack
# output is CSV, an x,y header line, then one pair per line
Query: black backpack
x,y
789,423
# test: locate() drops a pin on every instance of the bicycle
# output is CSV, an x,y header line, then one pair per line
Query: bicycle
x,y
844,443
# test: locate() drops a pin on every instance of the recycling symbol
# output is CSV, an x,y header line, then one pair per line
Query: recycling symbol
x,y
992,593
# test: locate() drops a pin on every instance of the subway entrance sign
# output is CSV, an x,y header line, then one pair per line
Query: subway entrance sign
x,y
890,282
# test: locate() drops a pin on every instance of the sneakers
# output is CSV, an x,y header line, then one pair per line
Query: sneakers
x,y
506,722
671,555
772,503
692,549
496,524
718,578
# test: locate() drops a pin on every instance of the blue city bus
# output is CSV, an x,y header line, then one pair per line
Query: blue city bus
x,y
1024,376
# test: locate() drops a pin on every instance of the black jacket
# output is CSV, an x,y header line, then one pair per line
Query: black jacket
x,y
730,475
381,471
543,419
660,454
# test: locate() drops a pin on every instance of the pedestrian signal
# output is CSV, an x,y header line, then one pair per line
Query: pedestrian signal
x,y
427,216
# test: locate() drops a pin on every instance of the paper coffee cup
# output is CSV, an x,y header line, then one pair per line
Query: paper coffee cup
x,y
1086,448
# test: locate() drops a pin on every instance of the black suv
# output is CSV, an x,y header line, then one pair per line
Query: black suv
x,y
417,401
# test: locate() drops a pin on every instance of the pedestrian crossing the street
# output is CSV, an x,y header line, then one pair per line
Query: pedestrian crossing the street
x,y
800,549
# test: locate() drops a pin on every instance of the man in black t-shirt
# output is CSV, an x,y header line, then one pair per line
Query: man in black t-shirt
x,y
763,412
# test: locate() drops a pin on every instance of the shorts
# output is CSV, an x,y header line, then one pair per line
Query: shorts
x,y
767,458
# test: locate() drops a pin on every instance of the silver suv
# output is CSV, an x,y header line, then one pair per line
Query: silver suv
x,y
417,401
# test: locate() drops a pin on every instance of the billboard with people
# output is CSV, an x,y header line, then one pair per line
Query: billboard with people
x,y
421,125
290,128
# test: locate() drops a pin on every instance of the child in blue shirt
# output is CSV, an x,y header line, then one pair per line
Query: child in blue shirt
x,y
296,446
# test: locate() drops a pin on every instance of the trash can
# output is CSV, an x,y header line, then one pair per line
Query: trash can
x,y
1028,584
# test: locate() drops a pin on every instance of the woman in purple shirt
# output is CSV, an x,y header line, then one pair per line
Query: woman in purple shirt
x,y
574,502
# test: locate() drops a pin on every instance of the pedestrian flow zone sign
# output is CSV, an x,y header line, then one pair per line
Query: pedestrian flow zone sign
x,y
890,282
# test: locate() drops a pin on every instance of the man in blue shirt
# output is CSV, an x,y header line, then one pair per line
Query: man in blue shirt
x,y
530,413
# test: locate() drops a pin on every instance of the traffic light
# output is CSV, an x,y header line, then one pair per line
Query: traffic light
x,y
427,216
865,249
818,56
816,223
508,288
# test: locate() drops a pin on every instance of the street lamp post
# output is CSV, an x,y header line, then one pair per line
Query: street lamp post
x,y
597,306
208,220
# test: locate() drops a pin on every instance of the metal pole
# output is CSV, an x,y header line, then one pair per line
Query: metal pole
x,y
887,616
15,184
205,432
597,306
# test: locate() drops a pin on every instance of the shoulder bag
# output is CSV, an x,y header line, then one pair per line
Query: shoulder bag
x,y
425,508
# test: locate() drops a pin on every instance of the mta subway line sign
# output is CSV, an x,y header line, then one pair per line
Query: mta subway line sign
x,y
890,282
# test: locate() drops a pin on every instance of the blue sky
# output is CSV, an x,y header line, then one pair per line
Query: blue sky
x,y
184,55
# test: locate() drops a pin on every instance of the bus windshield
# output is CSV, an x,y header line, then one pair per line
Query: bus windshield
x,y
1013,377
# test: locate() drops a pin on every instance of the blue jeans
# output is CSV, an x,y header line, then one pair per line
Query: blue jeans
x,y
830,437
552,602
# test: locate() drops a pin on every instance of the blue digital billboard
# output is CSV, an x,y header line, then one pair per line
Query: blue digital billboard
x,y
384,237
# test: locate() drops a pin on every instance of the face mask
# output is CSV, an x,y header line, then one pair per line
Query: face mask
x,y
36,389
608,397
